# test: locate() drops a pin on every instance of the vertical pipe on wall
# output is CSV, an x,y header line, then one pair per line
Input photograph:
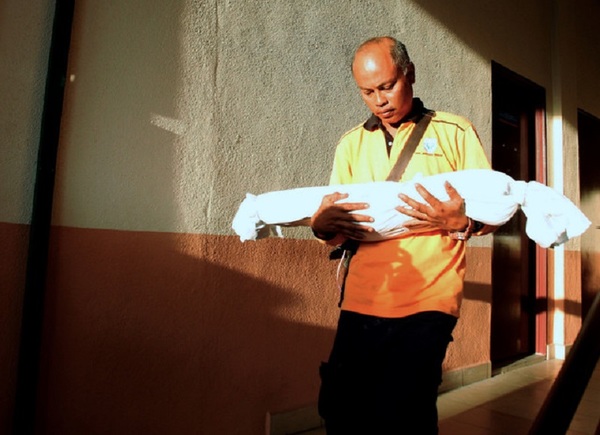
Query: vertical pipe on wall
x,y
33,299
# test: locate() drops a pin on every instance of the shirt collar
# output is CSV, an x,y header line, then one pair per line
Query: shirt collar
x,y
374,123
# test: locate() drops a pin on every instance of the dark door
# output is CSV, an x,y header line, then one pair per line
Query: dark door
x,y
517,150
588,128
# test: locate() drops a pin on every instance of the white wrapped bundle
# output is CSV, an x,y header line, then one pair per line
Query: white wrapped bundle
x,y
490,197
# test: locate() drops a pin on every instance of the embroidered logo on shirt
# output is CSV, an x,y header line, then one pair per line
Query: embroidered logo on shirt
x,y
430,144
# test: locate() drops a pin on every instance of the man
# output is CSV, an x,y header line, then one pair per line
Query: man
x,y
402,296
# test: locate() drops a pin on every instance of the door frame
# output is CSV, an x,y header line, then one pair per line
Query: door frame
x,y
536,95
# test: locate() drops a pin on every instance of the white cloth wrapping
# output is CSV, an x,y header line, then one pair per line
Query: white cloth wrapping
x,y
490,197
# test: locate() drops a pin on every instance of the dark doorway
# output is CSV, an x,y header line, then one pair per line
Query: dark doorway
x,y
518,265
588,128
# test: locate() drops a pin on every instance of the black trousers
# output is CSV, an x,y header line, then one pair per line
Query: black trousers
x,y
383,374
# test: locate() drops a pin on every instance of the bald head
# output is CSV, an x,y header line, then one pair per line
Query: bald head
x,y
384,75
384,44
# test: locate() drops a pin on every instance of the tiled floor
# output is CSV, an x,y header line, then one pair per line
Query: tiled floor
x,y
508,404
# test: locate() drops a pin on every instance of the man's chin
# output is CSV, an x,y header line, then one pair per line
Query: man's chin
x,y
391,120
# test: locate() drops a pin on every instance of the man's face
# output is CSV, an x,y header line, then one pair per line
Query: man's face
x,y
385,89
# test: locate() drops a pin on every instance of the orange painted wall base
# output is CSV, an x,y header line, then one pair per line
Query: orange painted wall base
x,y
183,333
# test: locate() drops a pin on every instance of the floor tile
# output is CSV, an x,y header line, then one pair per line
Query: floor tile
x,y
509,404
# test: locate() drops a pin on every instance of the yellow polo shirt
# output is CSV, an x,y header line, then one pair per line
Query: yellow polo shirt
x,y
411,274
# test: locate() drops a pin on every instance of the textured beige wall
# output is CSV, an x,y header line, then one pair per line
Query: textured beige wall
x,y
175,109
25,30
173,117
175,113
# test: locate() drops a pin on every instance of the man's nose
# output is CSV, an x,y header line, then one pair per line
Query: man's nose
x,y
380,99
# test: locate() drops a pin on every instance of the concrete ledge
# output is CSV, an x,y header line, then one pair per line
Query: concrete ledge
x,y
465,376
298,421
523,362
558,351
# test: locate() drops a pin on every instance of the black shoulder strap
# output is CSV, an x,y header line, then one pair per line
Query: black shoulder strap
x,y
409,148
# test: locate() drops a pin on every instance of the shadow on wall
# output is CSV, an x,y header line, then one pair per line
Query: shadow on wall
x,y
480,28
483,293
478,292
116,167
142,338
151,332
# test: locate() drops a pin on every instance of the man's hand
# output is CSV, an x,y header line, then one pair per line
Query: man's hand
x,y
333,218
435,214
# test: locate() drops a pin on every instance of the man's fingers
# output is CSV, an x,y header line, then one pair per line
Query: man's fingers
x,y
451,191
332,198
409,201
447,215
351,206
412,223
414,209
408,211
417,215
428,197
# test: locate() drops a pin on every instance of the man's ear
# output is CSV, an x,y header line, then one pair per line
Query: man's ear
x,y
410,73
